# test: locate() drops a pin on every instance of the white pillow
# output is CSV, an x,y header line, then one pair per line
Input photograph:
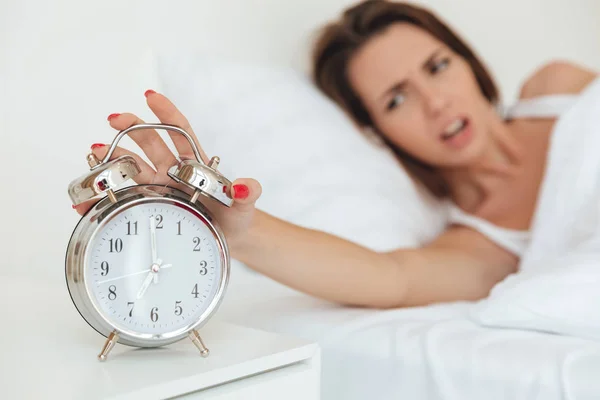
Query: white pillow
x,y
316,169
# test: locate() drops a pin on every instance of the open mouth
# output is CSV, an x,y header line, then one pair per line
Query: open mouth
x,y
455,128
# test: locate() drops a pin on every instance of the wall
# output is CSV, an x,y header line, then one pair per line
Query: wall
x,y
66,64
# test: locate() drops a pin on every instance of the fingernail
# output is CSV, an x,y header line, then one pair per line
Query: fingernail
x,y
240,191
96,145
74,206
149,92
111,116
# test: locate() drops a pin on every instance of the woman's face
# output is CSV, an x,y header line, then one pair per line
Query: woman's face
x,y
422,96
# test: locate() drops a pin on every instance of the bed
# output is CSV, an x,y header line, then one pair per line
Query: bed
x,y
434,352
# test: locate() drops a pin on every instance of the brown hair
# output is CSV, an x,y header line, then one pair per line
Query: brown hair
x,y
341,39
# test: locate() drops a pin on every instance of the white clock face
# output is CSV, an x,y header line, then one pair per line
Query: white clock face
x,y
148,291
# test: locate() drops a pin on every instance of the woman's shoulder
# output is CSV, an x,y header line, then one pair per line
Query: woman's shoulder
x,y
557,77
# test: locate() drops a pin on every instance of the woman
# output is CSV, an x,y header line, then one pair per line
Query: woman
x,y
400,72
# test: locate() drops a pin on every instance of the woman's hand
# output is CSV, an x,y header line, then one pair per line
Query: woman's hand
x,y
234,221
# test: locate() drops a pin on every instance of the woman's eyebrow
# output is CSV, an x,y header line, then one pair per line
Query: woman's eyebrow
x,y
398,86
431,58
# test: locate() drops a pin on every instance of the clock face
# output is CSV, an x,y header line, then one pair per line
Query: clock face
x,y
154,268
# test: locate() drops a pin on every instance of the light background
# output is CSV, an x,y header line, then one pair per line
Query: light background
x,y
65,65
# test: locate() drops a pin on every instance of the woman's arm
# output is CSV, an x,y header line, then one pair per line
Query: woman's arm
x,y
460,265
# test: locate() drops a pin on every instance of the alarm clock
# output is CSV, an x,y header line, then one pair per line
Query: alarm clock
x,y
148,265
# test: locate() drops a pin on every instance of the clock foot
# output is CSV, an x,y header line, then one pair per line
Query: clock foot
x,y
195,337
108,345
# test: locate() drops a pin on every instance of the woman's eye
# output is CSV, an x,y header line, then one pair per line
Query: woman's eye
x,y
396,101
440,65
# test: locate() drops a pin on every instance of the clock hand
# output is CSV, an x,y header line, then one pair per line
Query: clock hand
x,y
155,281
132,274
153,244
145,284
153,272
153,239
123,276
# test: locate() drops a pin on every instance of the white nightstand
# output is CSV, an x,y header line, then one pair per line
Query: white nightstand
x,y
49,351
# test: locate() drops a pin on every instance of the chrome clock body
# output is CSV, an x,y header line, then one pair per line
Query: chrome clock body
x,y
116,205
78,263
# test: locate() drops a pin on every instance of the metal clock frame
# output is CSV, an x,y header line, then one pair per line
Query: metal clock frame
x,y
105,178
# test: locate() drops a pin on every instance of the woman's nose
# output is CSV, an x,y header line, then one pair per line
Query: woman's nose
x,y
435,101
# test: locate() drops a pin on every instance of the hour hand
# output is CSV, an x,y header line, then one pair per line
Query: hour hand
x,y
149,278
146,284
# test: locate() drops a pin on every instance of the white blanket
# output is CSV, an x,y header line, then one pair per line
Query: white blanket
x,y
425,353
558,286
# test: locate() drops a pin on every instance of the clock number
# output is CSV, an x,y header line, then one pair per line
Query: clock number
x,y
104,267
116,245
178,309
135,231
112,292
132,305
195,291
179,228
154,314
159,221
203,270
197,244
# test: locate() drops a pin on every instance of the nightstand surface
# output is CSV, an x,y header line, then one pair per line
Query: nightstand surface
x,y
49,351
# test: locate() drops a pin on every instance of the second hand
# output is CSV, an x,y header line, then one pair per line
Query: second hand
x,y
133,274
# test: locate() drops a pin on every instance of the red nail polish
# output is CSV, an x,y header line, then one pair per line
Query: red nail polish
x,y
74,206
96,145
149,92
111,116
240,191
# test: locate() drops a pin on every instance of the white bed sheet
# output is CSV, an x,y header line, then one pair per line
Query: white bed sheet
x,y
432,352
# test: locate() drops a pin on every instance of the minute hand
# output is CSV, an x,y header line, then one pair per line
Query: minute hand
x,y
153,244
153,239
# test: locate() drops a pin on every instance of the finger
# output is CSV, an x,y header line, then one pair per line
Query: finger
x,y
148,139
245,192
167,113
84,207
146,174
